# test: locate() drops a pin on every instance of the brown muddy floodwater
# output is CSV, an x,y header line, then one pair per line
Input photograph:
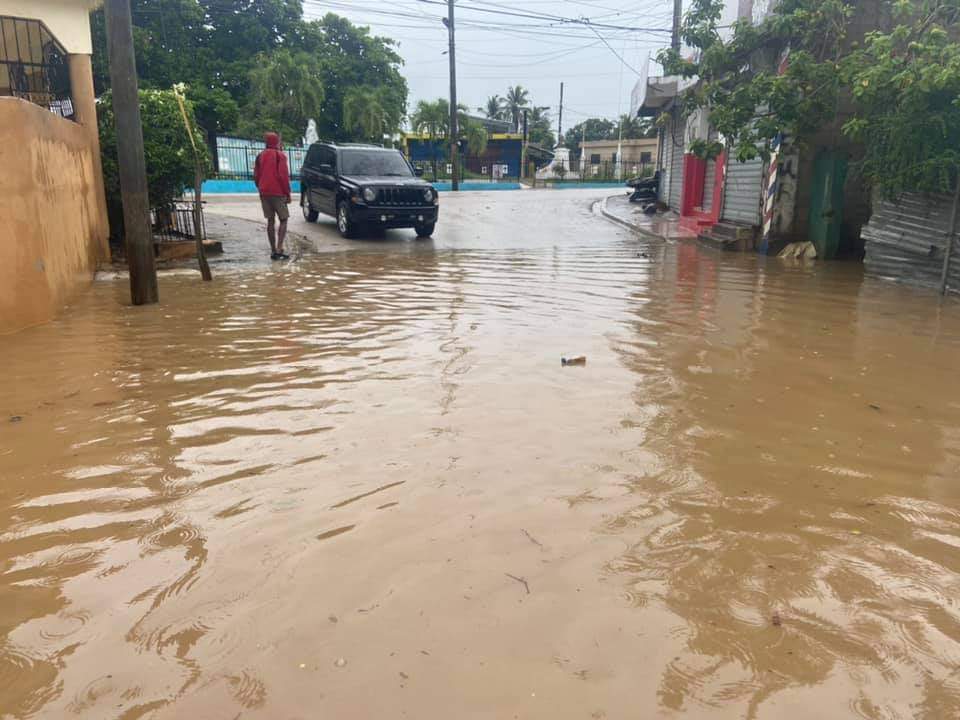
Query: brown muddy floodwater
x,y
361,485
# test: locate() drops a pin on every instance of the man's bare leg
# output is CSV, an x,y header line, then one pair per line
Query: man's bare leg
x,y
272,236
281,235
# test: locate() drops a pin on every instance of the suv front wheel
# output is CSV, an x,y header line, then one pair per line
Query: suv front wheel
x,y
345,225
309,214
425,230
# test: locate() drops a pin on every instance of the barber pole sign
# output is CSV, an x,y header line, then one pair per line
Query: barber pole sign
x,y
770,200
773,177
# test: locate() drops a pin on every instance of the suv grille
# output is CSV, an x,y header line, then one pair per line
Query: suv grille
x,y
400,196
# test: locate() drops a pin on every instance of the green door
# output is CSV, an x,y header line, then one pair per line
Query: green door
x,y
826,202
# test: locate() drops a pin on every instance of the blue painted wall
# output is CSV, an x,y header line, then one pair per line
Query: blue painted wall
x,y
498,152
246,187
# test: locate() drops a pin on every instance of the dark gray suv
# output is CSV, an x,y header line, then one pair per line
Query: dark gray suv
x,y
366,187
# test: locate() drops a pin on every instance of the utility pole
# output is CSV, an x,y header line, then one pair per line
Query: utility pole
x,y
523,154
951,240
677,15
138,234
560,117
454,125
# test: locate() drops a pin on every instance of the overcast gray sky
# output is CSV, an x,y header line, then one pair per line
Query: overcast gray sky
x,y
500,44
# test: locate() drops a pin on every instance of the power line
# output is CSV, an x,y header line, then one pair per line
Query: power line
x,y
498,10
518,29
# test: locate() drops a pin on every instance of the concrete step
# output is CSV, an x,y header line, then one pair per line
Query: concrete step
x,y
729,236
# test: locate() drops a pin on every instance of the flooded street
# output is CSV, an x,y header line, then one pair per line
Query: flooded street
x,y
361,485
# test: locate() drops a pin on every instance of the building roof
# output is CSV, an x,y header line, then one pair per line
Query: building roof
x,y
633,142
493,126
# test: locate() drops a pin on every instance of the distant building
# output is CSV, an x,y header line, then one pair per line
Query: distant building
x,y
52,205
600,156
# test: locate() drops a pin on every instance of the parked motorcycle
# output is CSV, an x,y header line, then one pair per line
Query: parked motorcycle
x,y
645,191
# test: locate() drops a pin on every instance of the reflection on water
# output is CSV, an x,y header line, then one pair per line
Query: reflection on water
x,y
745,505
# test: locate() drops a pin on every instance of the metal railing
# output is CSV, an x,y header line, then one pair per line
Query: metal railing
x,y
235,158
175,222
473,169
33,65
591,172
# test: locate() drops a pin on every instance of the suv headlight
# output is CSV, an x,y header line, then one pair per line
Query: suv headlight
x,y
369,195
428,195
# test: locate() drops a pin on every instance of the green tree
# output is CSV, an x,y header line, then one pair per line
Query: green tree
x,y
906,85
365,114
494,108
476,137
809,64
516,99
750,100
636,128
218,49
286,90
349,58
539,129
590,129
167,148
432,118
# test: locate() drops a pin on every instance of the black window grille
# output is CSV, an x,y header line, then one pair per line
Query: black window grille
x,y
33,65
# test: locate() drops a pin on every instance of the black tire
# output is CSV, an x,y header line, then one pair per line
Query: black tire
x,y
425,231
309,214
346,226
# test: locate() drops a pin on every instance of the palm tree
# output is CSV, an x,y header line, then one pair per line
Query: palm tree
x,y
476,136
515,101
432,118
363,113
494,108
287,88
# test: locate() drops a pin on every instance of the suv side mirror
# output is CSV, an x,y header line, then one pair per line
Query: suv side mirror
x,y
418,171
326,168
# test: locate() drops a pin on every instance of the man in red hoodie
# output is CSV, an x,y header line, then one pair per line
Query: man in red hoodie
x,y
272,178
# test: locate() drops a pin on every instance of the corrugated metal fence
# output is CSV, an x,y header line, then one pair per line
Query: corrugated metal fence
x,y
906,240
743,191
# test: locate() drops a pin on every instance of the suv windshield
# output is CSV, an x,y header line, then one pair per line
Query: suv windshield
x,y
373,162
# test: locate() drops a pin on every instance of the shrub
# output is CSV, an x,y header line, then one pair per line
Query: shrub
x,y
168,153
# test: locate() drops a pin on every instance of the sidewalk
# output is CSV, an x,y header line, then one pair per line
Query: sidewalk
x,y
665,226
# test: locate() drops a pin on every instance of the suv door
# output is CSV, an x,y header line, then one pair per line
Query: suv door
x,y
326,189
310,176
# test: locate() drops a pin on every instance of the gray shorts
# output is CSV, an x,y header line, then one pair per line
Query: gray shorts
x,y
274,205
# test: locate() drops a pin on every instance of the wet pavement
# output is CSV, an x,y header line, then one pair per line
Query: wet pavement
x,y
361,485
665,225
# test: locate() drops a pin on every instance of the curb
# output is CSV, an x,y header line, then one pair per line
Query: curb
x,y
626,223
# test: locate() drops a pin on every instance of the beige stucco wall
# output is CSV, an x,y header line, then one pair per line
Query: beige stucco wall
x,y
53,222
631,149
68,20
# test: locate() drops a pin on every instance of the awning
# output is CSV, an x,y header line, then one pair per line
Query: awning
x,y
651,95
539,153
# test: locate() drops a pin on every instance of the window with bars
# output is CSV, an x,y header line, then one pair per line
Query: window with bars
x,y
33,65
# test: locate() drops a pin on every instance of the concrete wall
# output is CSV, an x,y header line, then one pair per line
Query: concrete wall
x,y
67,20
52,215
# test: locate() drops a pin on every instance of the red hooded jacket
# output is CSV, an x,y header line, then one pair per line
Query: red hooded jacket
x,y
270,171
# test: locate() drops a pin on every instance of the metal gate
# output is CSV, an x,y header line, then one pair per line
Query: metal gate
x,y
906,240
709,178
673,143
743,191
